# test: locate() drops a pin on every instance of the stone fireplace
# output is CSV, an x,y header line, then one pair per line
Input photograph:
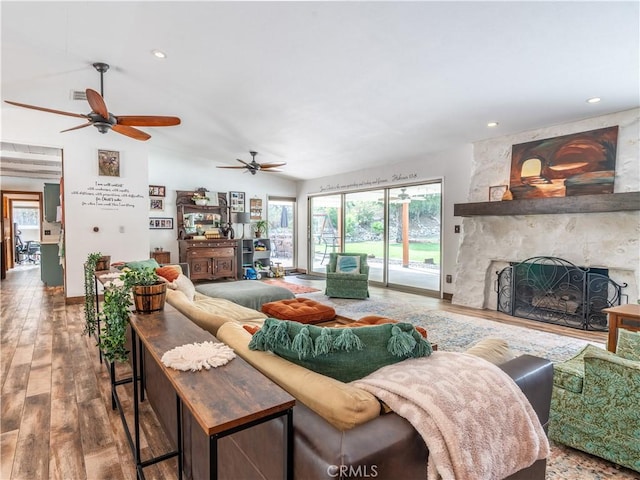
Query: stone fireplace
x,y
589,238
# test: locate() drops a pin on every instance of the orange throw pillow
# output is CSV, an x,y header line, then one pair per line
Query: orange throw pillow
x,y
378,320
169,272
252,329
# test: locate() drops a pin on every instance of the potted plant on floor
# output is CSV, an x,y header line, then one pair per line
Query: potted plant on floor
x,y
149,292
260,227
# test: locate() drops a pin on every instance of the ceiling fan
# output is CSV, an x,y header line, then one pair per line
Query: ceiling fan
x,y
103,120
254,166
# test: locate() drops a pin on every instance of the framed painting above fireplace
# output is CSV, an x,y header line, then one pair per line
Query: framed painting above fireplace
x,y
575,164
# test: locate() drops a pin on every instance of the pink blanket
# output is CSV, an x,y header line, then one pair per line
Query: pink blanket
x,y
475,420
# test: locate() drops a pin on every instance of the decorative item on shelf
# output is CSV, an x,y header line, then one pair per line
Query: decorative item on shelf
x,y
149,292
260,227
200,199
507,195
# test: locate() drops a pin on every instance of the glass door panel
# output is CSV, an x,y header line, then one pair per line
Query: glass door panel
x,y
364,229
414,236
281,218
325,214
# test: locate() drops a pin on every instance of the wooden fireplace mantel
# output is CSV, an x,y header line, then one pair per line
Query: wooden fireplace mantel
x,y
612,202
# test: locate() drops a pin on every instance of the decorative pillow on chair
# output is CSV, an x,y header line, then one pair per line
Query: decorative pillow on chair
x,y
348,264
628,344
342,353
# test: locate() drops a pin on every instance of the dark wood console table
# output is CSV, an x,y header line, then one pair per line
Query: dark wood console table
x,y
222,400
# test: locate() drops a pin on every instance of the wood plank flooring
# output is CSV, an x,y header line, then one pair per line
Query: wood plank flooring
x,y
56,418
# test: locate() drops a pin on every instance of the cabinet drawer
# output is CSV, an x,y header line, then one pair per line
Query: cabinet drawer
x,y
223,252
201,252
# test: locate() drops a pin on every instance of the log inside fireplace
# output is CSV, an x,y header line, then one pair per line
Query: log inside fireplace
x,y
554,290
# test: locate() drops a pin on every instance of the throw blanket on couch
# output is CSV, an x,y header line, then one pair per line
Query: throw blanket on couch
x,y
474,419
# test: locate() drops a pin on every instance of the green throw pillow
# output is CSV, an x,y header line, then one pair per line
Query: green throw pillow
x,y
139,265
345,354
628,344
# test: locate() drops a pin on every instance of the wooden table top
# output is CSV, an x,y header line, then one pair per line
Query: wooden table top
x,y
221,398
627,309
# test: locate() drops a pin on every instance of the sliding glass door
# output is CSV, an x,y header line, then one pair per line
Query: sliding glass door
x,y
399,229
325,219
281,218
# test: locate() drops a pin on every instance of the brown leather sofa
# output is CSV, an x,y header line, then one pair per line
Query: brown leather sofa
x,y
386,447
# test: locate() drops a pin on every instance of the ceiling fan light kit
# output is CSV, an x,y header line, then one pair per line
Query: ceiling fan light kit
x,y
103,120
253,167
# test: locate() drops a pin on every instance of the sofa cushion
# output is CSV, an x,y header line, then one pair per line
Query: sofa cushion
x,y
169,272
142,264
183,284
628,344
348,264
569,374
342,353
369,320
494,350
342,405
302,310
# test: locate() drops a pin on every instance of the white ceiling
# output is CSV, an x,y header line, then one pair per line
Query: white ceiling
x,y
327,87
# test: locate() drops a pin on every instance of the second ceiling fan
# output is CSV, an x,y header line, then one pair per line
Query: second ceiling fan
x,y
103,120
254,166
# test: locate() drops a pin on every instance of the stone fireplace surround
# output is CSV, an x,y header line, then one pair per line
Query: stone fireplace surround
x,y
609,240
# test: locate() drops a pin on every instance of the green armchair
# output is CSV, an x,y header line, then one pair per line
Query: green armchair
x,y
595,406
347,285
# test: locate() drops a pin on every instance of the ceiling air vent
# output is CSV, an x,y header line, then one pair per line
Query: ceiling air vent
x,y
78,95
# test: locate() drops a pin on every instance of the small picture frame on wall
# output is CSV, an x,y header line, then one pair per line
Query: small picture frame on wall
x,y
236,201
255,207
156,204
156,191
161,223
108,163
497,192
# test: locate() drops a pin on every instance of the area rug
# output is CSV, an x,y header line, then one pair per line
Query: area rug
x,y
455,333
292,287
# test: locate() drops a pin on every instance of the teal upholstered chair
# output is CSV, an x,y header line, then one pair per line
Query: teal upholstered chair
x,y
595,405
347,275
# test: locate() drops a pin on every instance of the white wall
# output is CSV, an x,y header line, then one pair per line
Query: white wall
x,y
452,166
589,239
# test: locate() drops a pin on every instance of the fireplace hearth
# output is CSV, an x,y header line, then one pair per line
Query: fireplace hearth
x,y
554,290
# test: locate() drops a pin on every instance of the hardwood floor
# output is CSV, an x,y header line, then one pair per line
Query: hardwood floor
x,y
56,417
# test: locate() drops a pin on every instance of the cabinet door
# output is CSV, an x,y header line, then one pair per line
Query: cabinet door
x,y
224,267
200,268
51,201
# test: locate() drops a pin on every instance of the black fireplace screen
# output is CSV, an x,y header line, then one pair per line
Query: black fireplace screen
x,y
553,290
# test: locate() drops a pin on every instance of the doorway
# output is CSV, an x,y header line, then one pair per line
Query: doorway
x,y
281,218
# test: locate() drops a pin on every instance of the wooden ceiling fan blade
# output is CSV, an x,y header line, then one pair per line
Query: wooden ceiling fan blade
x,y
271,170
50,110
131,132
147,121
77,128
272,164
246,165
96,102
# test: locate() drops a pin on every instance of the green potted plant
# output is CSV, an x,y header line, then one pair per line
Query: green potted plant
x,y
115,316
149,292
260,227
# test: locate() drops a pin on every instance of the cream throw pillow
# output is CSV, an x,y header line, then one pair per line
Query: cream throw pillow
x,y
494,350
184,285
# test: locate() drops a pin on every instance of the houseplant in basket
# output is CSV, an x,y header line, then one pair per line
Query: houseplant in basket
x,y
260,227
149,292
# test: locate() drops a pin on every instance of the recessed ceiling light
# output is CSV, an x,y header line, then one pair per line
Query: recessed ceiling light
x,y
593,100
158,54
492,124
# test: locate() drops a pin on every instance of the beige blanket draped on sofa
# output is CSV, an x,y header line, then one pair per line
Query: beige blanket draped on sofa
x,y
474,419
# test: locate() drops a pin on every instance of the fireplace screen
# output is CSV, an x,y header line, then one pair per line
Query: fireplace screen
x,y
553,290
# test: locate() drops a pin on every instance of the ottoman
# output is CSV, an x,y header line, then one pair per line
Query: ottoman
x,y
248,293
302,310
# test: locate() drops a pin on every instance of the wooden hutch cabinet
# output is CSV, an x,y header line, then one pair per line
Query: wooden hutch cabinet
x,y
203,238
